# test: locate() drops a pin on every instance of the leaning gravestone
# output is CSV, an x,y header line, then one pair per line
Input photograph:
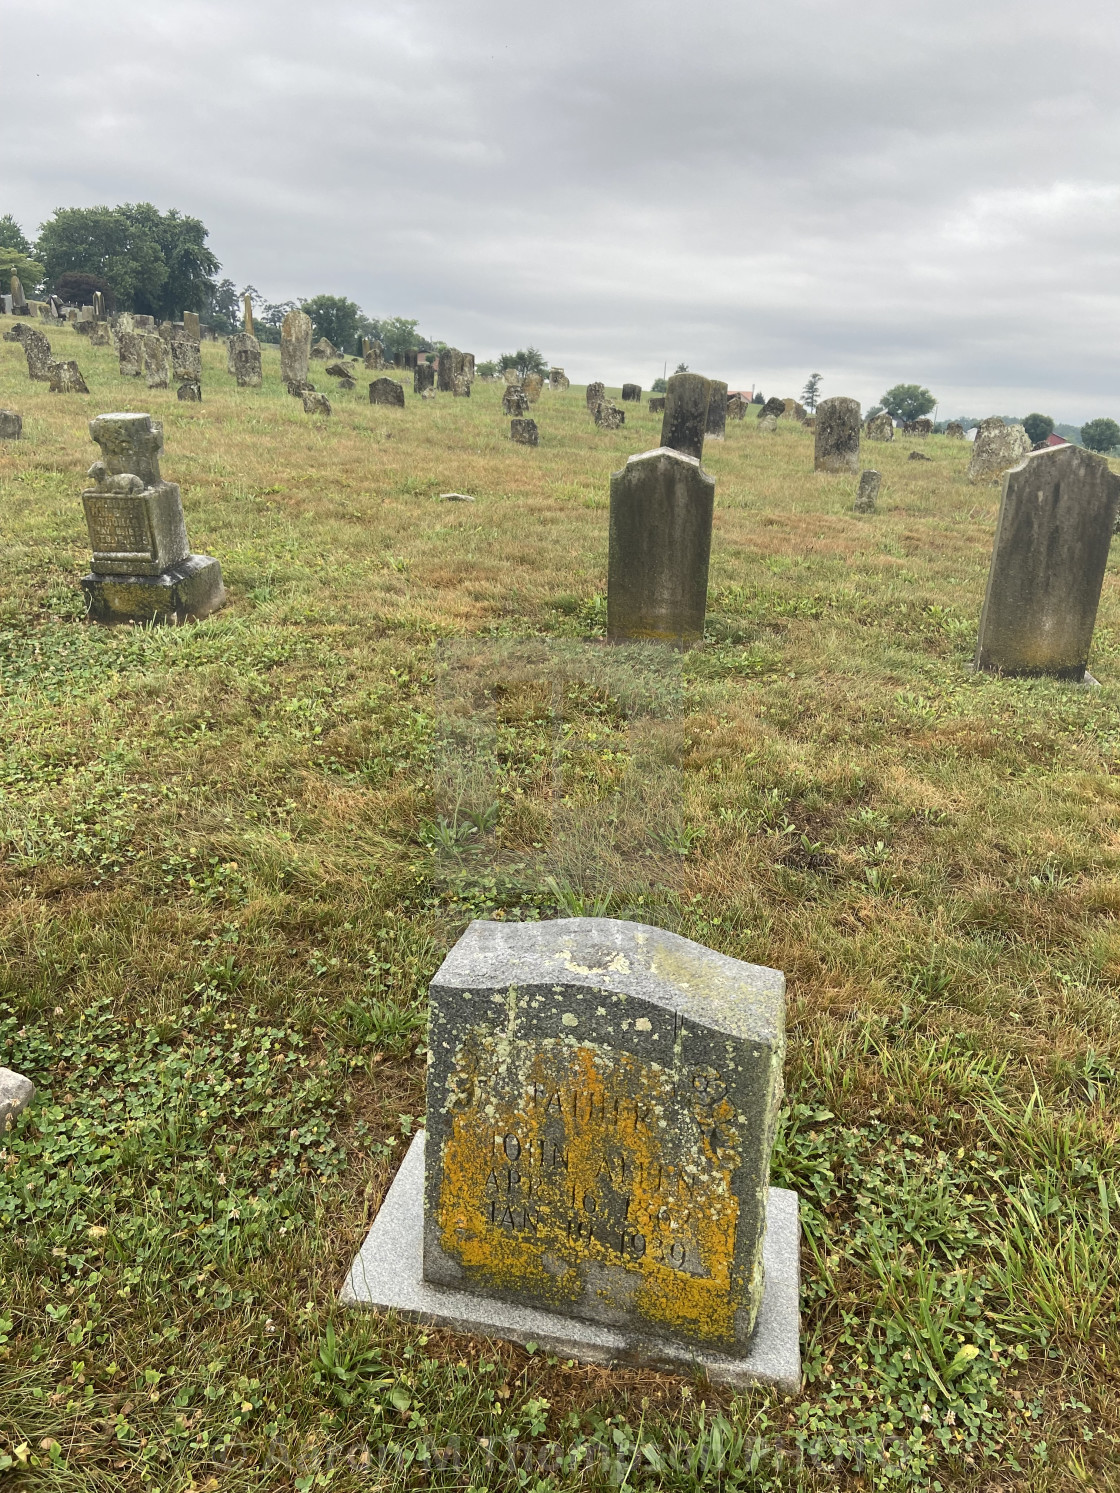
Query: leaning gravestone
x,y
142,569
37,350
920,428
315,404
997,446
836,436
423,377
608,416
593,1173
186,366
558,380
775,407
66,377
514,401
685,421
717,411
387,391
11,425
244,360
324,349
156,370
595,395
869,483
660,541
524,432
295,347
632,393
130,354
880,427
1056,517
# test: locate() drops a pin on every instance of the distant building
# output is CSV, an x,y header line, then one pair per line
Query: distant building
x,y
1056,440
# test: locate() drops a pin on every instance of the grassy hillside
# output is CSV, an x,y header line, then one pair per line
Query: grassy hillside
x,y
233,854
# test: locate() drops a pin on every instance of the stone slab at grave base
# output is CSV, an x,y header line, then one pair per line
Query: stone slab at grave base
x,y
387,1275
191,589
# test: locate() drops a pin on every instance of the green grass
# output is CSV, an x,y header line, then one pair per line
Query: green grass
x,y
234,854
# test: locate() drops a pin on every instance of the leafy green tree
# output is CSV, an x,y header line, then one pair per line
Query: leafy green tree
x,y
810,394
876,409
1038,427
335,318
525,360
221,308
156,263
77,288
16,262
681,368
1101,435
659,386
397,334
12,235
486,370
759,397
908,401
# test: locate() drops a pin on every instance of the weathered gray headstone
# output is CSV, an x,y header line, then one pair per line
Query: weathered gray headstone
x,y
558,380
315,404
955,430
880,427
685,422
142,568
632,393
836,436
295,346
920,428
143,323
66,377
374,356
1056,517
387,391
16,1093
795,411
524,432
996,448
461,386
450,368
100,334
468,367
775,407
608,416
736,406
423,377
324,349
186,366
657,404
768,423
595,395
716,427
157,371
514,401
919,456
192,326
11,425
130,354
531,386
343,372
602,1103
19,300
869,483
660,541
37,350
511,376
244,360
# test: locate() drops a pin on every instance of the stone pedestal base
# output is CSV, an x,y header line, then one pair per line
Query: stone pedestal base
x,y
189,590
387,1275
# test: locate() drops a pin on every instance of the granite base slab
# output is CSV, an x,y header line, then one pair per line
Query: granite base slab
x,y
386,1275
189,590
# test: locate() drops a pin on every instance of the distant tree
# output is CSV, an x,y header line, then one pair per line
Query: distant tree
x,y
15,262
12,235
272,313
335,318
658,386
1101,435
77,288
759,398
221,308
486,370
681,368
811,392
876,409
525,360
397,334
1038,427
908,401
156,263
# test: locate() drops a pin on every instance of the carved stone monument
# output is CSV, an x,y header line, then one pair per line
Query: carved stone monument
x,y
685,421
524,432
295,347
996,448
716,427
243,360
157,372
1056,517
608,416
558,380
142,568
192,326
660,541
836,436
37,351
593,1175
531,386
387,391
514,401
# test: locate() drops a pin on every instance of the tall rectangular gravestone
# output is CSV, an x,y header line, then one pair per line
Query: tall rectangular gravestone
x,y
602,1102
1056,517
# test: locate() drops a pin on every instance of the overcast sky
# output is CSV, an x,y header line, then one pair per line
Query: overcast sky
x,y
875,191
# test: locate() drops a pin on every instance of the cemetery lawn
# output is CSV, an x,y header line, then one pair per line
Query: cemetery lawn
x,y
233,854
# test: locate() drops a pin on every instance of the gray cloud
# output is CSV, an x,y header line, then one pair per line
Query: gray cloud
x,y
760,191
